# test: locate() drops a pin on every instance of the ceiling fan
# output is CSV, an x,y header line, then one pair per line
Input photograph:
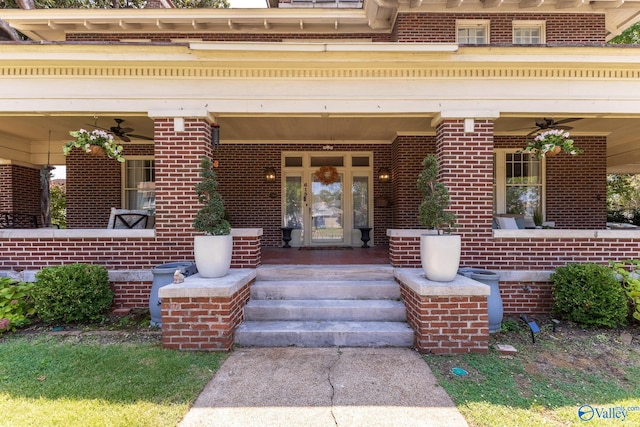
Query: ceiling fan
x,y
123,133
549,123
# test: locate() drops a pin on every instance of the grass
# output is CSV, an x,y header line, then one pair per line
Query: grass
x,y
81,381
545,383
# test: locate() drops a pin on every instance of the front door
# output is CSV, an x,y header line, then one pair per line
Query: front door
x,y
326,197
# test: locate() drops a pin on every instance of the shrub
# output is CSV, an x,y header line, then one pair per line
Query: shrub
x,y
628,273
589,295
16,304
72,293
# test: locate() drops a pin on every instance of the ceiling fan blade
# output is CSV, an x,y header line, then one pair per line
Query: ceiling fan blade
x,y
124,137
140,136
560,122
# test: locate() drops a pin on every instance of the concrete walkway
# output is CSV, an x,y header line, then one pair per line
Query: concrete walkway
x,y
323,387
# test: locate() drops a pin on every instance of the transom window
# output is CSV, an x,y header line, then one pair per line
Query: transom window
x,y
529,32
472,31
518,183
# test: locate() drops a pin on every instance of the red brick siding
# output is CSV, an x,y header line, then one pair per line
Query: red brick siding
x,y
561,29
90,197
539,253
202,323
447,325
225,37
177,162
575,186
20,254
131,294
20,190
408,153
526,298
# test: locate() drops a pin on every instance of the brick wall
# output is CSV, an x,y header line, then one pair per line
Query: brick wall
x,y
561,29
526,298
447,325
91,197
226,37
575,186
407,154
202,323
20,190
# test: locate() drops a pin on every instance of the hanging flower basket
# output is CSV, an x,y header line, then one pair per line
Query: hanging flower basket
x,y
327,175
96,150
551,142
96,142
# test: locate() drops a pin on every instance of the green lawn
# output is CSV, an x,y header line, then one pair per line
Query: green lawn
x,y
81,381
545,383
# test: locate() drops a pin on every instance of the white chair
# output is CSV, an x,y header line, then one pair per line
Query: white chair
x,y
128,219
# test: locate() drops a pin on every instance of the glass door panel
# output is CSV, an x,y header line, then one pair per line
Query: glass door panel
x,y
360,192
326,211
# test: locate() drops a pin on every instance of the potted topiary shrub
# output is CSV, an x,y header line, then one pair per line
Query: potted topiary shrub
x,y
439,252
213,250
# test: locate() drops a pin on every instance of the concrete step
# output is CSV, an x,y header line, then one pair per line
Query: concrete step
x,y
332,310
324,334
332,289
325,272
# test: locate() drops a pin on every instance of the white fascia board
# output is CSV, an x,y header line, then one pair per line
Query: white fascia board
x,y
312,46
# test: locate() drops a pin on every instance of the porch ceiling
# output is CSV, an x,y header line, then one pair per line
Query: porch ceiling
x,y
25,139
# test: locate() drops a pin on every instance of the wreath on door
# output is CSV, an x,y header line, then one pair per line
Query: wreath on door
x,y
327,174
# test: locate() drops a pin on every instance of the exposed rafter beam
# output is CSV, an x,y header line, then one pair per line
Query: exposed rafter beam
x,y
199,25
128,26
530,3
164,25
487,4
569,4
93,26
599,5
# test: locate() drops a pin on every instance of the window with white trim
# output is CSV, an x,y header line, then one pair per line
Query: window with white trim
x,y
472,31
138,190
529,32
518,183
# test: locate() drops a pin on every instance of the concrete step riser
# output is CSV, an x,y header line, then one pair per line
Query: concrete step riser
x,y
324,334
325,290
374,310
305,273
311,306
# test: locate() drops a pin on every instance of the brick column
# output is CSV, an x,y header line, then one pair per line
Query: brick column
x,y
466,168
177,160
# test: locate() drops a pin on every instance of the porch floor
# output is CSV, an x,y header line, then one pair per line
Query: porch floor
x,y
325,256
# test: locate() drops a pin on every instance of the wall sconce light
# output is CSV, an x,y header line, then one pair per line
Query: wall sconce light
x,y
215,135
384,175
269,174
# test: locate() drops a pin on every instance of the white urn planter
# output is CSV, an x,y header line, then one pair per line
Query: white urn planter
x,y
440,256
213,255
